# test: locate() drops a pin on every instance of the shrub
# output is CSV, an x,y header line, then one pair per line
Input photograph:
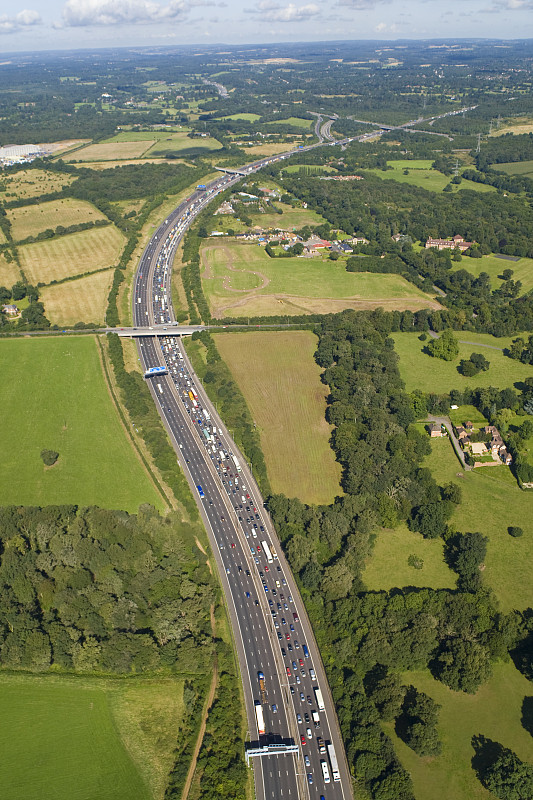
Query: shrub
x,y
49,457
513,530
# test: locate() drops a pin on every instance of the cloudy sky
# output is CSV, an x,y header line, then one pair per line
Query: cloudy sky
x,y
70,24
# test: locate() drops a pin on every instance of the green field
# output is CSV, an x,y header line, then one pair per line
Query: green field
x,y
240,279
31,220
54,397
421,174
421,371
288,402
297,122
491,503
494,711
515,167
68,738
523,269
387,567
244,116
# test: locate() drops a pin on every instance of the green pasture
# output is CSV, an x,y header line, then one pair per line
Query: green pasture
x,y
232,269
522,269
421,371
166,141
421,174
244,116
492,501
290,219
66,738
388,566
54,396
515,167
297,122
495,712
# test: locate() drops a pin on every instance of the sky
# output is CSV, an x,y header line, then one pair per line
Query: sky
x,y
75,24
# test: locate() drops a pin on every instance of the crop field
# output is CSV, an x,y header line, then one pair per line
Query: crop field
x,y
270,148
388,565
86,738
421,371
9,272
495,712
54,396
287,401
112,151
32,183
31,220
82,300
240,279
522,269
515,167
425,177
73,254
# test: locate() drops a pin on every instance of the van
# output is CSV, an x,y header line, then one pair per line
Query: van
x,y
243,498
312,674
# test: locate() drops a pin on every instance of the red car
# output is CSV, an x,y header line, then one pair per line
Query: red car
x,y
289,673
287,636
258,549
303,739
301,661
266,568
233,544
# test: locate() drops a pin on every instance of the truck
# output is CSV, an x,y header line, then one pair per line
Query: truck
x,y
160,388
260,718
316,718
193,401
221,454
333,762
206,414
153,371
319,699
237,465
261,679
267,552
325,770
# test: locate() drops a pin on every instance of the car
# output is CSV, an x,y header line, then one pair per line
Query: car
x,y
309,733
310,778
279,569
279,634
227,570
283,652
292,689
258,549
289,598
299,719
309,700
294,664
283,621
233,544
306,717
298,679
301,662
248,572
295,617
265,588
289,646
292,627
289,673
282,597
261,575
296,644
312,674
276,623
284,582
287,636
266,567
221,545
302,696
274,708
307,760
247,594
303,673
252,551
303,739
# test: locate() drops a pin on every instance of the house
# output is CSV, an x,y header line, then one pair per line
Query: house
x,y
456,243
315,243
435,431
462,434
359,240
469,426
11,310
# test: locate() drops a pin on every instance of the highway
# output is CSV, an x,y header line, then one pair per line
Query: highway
x,y
271,631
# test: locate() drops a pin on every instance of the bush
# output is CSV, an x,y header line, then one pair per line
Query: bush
x,y
513,530
49,457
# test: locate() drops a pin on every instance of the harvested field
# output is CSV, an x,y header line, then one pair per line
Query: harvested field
x,y
270,148
110,151
99,165
83,300
32,220
9,272
32,183
71,255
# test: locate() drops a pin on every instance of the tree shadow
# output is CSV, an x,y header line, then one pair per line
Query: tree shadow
x,y
527,714
486,752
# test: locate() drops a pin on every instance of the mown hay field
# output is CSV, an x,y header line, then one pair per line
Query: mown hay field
x,y
32,220
73,254
287,401
83,300
54,396
32,183
9,272
87,737
270,148
99,165
111,151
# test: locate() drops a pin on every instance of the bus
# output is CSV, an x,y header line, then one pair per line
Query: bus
x,y
260,718
333,762
325,770
319,699
200,491
268,554
237,465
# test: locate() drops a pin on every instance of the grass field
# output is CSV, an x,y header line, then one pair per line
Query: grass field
x,y
519,126
523,269
99,165
421,371
421,174
9,272
31,220
111,151
491,503
68,738
494,711
54,396
297,122
287,402
32,183
270,148
233,271
515,167
83,300
73,254
387,567
247,117
176,143
290,219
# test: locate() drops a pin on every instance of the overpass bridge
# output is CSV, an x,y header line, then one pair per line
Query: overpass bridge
x,y
156,330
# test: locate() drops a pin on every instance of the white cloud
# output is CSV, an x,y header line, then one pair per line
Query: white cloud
x,y
84,13
271,11
23,19
360,5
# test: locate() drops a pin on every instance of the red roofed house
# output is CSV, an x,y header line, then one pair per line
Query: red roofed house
x,y
449,244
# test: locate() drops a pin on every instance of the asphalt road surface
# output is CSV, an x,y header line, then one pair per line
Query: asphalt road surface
x,y
271,630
